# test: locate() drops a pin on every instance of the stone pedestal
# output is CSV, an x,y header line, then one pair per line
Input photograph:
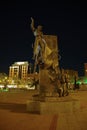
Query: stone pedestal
x,y
53,106
46,87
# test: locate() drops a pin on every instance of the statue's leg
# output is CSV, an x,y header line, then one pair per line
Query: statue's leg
x,y
63,89
67,92
35,64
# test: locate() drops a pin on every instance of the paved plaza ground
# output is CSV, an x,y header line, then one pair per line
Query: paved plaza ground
x,y
13,114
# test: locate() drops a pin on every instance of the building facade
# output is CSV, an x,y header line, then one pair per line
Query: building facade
x,y
19,70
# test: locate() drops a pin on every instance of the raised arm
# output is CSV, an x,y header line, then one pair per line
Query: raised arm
x,y
32,24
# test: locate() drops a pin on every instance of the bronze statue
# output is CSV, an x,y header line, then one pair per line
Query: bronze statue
x,y
59,81
46,56
39,45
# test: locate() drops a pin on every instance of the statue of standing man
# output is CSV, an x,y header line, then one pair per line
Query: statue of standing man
x,y
39,45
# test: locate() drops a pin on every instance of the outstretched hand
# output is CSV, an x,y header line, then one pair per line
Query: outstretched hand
x,y
32,24
32,19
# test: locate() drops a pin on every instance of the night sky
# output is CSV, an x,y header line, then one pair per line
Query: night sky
x,y
68,21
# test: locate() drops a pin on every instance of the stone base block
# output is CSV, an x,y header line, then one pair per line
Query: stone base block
x,y
55,107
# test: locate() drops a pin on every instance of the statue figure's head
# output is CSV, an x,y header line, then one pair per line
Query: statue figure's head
x,y
39,28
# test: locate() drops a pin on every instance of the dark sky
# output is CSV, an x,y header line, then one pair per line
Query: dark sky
x,y
66,20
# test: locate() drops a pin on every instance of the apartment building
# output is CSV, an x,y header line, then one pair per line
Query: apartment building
x,y
19,70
